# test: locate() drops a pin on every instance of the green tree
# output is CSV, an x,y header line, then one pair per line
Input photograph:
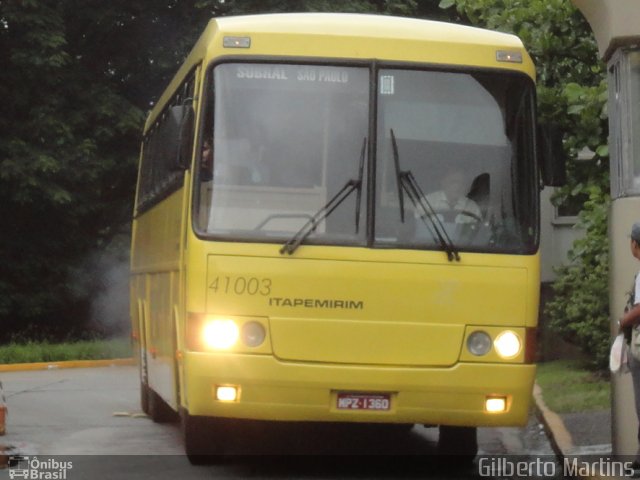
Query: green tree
x,y
572,96
394,7
580,307
67,161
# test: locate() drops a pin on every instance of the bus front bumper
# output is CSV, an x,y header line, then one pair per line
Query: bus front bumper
x,y
270,389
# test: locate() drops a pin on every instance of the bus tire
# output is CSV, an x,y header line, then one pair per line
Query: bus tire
x,y
203,439
459,441
159,411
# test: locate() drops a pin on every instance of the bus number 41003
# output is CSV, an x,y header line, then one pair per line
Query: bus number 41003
x,y
241,285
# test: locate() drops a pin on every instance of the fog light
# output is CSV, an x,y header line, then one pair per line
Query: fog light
x,y
507,344
220,334
253,334
479,343
495,404
227,394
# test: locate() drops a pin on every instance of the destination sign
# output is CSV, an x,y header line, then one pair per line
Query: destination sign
x,y
300,74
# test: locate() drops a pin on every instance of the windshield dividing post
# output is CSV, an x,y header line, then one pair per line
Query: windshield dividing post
x,y
360,178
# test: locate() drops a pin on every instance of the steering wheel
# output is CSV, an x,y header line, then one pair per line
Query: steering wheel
x,y
449,215
469,213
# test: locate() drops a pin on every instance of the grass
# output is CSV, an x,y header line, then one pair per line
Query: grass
x,y
30,352
568,387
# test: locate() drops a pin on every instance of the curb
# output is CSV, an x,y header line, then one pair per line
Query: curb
x,y
18,367
559,437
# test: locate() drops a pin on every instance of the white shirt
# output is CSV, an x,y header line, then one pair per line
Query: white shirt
x,y
439,202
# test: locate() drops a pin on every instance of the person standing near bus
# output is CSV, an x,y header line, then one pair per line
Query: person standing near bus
x,y
630,319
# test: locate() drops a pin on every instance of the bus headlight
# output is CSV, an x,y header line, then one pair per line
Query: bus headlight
x,y
479,343
220,334
507,344
253,334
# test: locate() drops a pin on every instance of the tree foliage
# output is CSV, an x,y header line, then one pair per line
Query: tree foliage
x,y
66,163
580,308
571,96
76,78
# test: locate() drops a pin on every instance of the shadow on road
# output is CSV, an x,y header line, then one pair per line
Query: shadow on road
x,y
283,450
265,438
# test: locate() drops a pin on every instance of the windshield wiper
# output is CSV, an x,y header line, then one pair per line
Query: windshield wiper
x,y
407,182
334,202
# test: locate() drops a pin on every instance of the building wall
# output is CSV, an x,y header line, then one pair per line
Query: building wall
x,y
557,235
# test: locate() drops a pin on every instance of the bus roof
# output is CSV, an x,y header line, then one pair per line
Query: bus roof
x,y
354,36
362,25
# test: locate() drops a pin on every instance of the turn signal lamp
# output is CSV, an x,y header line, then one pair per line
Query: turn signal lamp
x,y
479,343
253,334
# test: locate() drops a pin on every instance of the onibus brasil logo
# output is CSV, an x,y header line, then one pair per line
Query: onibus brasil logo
x,y
21,466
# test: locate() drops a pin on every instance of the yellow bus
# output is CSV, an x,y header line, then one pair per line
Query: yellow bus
x,y
336,220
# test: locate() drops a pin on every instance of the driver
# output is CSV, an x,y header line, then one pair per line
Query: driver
x,y
451,203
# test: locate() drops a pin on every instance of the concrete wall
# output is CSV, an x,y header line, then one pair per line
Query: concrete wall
x,y
614,22
557,235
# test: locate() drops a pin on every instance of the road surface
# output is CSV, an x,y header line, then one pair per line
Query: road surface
x,y
91,418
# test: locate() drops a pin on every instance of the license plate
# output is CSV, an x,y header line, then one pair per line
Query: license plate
x,y
379,402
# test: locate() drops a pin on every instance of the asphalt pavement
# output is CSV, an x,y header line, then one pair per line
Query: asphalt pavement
x,y
585,436
93,413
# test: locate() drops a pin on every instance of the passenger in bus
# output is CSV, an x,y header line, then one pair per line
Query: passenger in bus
x,y
237,162
630,321
206,165
451,203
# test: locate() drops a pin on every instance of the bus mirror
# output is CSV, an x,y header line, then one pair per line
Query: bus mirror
x,y
182,118
552,159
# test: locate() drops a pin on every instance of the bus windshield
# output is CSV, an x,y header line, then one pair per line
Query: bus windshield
x,y
281,141
286,139
466,140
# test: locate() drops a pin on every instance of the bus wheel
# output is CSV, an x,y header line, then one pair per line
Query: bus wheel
x,y
159,411
203,438
459,441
